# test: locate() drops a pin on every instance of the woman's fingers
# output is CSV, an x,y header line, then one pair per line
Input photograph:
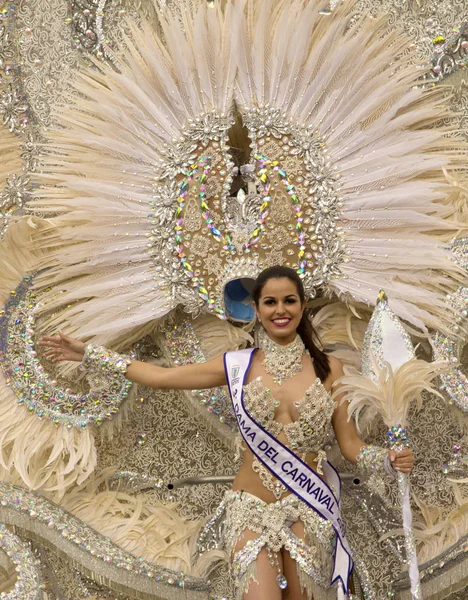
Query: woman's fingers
x,y
53,353
65,338
61,347
405,452
404,468
52,342
402,461
43,342
64,343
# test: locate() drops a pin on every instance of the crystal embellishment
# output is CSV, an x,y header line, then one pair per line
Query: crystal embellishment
x,y
282,582
281,362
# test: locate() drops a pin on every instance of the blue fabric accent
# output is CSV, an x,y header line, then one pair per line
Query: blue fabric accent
x,y
237,302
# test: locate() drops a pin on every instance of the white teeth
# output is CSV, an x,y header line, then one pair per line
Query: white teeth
x,y
281,320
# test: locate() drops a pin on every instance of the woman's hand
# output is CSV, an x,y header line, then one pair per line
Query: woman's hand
x,y
402,461
62,347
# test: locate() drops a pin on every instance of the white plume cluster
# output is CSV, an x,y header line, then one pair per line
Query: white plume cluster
x,y
393,392
345,75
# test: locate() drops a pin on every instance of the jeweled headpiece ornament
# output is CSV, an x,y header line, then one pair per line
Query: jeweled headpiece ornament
x,y
345,169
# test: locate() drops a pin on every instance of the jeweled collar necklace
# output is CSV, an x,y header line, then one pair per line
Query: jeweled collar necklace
x,y
281,362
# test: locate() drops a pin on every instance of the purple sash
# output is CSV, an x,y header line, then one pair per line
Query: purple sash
x,y
286,466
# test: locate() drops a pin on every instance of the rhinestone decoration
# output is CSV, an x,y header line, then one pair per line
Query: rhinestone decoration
x,y
86,20
211,229
396,438
282,582
373,345
198,178
310,432
28,585
372,459
281,362
450,54
449,347
316,181
33,387
457,466
12,108
183,348
13,198
271,521
459,250
15,113
268,480
241,214
95,553
6,41
98,359
205,129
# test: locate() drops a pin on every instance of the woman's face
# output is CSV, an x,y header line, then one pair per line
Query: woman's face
x,y
280,309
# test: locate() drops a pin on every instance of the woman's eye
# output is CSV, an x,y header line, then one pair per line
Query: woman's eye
x,y
291,301
269,302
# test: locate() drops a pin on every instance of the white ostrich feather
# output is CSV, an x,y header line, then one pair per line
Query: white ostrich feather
x,y
153,531
17,254
33,452
344,75
336,324
37,454
393,391
217,336
127,121
377,128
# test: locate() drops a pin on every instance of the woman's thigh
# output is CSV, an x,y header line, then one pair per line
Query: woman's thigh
x,y
267,587
293,590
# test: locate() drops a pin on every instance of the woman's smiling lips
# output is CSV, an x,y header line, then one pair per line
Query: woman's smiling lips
x,y
281,322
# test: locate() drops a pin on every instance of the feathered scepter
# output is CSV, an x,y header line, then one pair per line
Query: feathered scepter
x,y
392,378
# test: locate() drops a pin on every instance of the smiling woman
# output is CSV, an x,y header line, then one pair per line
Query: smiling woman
x,y
282,526
281,307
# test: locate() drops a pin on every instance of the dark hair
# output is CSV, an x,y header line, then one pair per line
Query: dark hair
x,y
304,329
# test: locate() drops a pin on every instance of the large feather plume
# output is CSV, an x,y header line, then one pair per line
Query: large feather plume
x,y
120,127
155,532
35,453
350,78
347,76
393,391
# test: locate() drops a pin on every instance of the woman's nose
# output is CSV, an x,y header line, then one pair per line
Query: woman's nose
x,y
280,308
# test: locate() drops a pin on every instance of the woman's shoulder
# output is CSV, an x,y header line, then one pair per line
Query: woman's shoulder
x,y
336,368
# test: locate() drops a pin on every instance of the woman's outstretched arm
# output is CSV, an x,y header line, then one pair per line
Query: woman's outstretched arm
x,y
190,377
346,433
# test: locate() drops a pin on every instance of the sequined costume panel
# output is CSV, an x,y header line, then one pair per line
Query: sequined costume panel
x,y
241,511
310,432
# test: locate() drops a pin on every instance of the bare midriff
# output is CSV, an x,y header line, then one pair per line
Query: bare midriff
x,y
249,481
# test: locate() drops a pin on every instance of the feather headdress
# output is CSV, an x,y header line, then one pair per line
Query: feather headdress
x,y
347,165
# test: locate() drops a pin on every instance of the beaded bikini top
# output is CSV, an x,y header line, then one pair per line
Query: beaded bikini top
x,y
311,430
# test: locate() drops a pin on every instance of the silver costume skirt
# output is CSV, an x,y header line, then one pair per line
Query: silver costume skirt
x,y
240,511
